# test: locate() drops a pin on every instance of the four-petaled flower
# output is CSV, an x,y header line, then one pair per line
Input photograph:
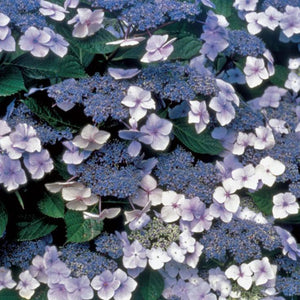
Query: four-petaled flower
x,y
255,71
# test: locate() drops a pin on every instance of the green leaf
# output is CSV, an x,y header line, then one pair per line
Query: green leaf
x,y
48,114
7,294
52,205
95,44
35,229
3,219
199,143
280,76
185,48
135,52
53,65
263,199
223,7
80,230
151,284
11,81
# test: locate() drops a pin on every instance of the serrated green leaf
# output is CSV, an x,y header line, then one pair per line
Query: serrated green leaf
x,y
35,229
95,44
223,7
52,205
7,294
263,199
199,143
53,65
280,76
81,230
11,81
151,284
186,48
3,219
48,114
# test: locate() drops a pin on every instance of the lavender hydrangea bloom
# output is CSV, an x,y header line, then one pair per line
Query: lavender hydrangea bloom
x,y
27,285
87,22
127,285
71,4
79,288
57,43
38,163
105,284
284,205
198,115
73,155
255,71
158,49
262,270
58,272
52,10
158,131
38,269
11,173
57,291
35,41
134,256
6,281
7,42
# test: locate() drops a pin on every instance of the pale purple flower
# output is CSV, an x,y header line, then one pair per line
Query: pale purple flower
x,y
105,284
230,162
107,213
225,194
284,204
157,258
87,22
208,3
218,210
202,217
71,3
212,49
158,131
73,155
118,73
253,26
190,209
38,163
255,71
51,256
136,218
4,29
262,270
264,138
134,256
139,101
79,288
270,18
127,41
24,138
268,169
223,107
242,274
187,242
192,259
8,43
271,97
11,173
27,285
158,48
6,281
290,247
201,291
243,140
35,41
228,91
57,272
278,126
148,191
293,82
294,64
219,283
52,10
176,252
290,21
57,45
38,269
245,177
79,197
225,136
198,114
172,202
91,138
247,5
58,291
127,285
